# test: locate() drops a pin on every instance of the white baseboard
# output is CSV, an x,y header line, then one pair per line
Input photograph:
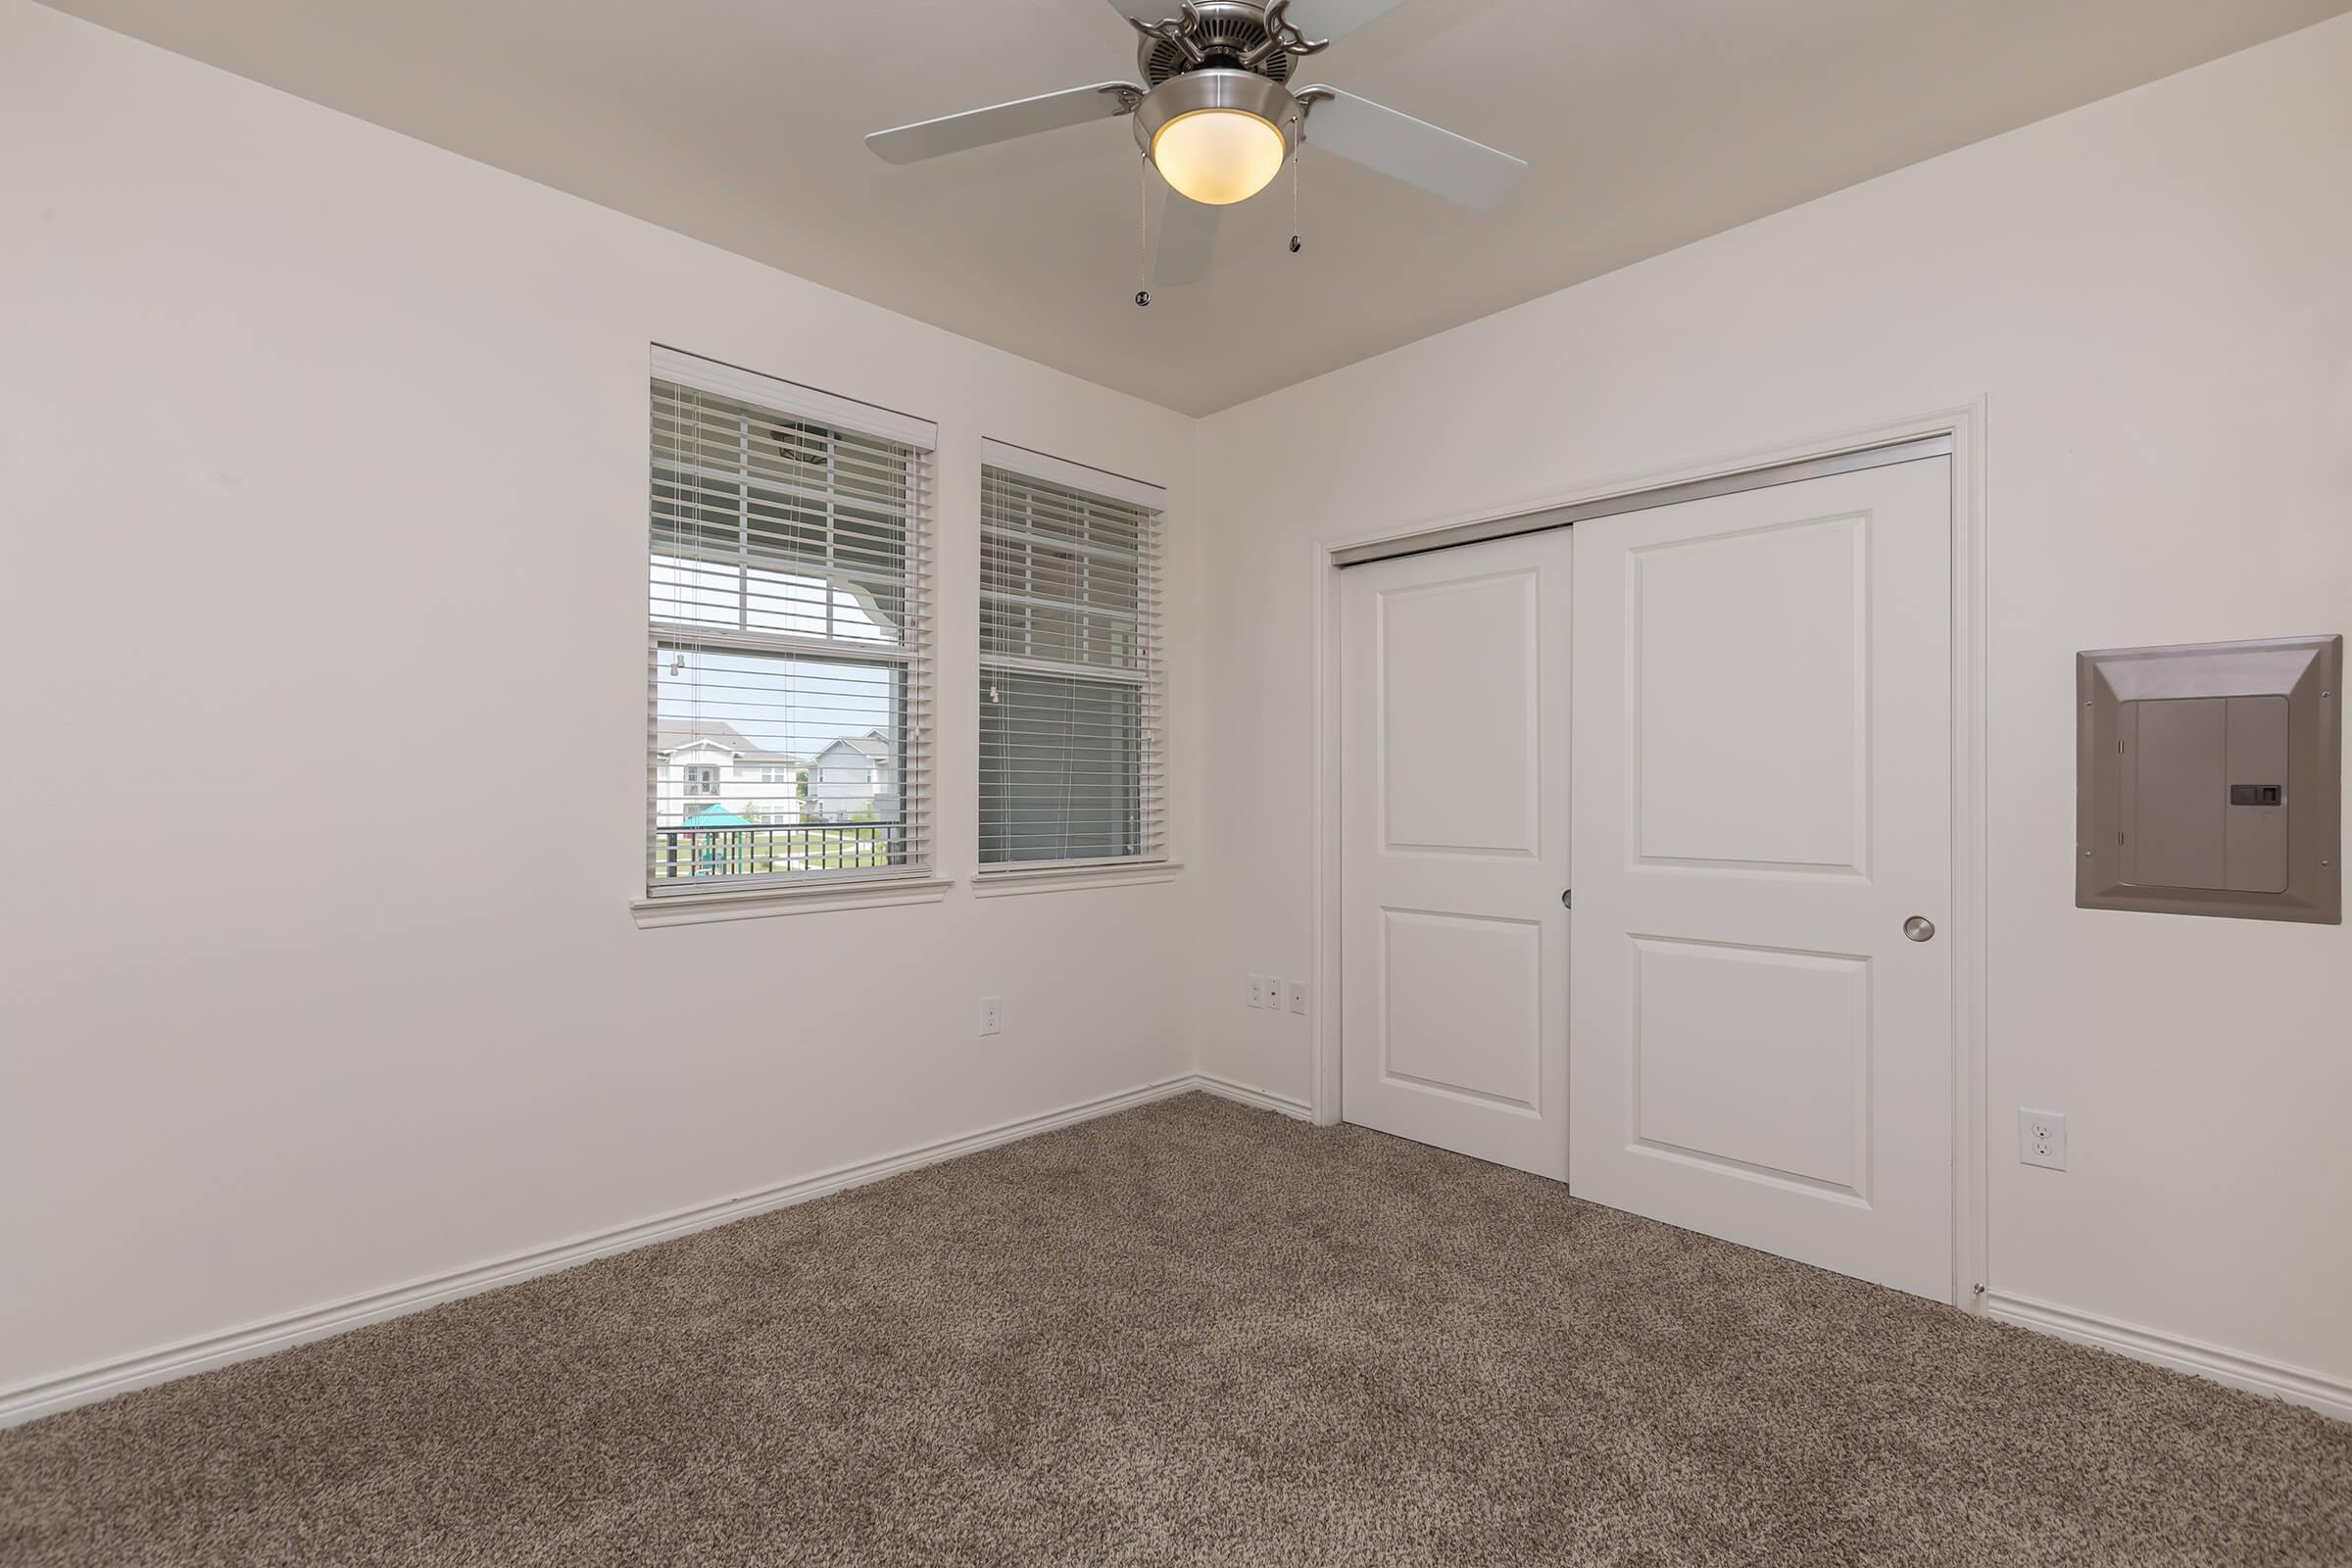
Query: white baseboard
x,y
46,1395
2329,1395
1227,1089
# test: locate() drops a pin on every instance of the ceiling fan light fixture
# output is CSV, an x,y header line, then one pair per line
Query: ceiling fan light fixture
x,y
1217,136
1219,156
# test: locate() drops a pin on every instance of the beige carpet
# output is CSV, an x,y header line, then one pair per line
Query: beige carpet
x,y
1191,1333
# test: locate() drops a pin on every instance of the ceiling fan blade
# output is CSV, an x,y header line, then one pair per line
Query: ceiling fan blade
x,y
979,128
1328,18
1188,238
1411,150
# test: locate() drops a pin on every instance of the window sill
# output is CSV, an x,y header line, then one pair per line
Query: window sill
x,y
697,909
1062,878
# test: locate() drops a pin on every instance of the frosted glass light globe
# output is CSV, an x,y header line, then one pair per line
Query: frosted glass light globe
x,y
1219,156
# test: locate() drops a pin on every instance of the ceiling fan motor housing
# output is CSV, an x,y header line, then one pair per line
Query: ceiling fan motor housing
x,y
1225,32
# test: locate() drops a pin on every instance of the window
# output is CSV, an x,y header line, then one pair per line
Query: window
x,y
787,582
1070,766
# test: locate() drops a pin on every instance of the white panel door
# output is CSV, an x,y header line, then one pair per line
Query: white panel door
x,y
1763,787
1453,803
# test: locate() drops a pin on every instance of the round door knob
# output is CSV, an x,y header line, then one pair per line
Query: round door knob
x,y
1919,928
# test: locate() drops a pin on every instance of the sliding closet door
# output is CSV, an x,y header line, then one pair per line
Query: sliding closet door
x,y
1762,1008
1454,829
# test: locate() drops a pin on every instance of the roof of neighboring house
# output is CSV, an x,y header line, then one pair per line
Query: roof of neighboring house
x,y
679,733
716,817
871,746
676,732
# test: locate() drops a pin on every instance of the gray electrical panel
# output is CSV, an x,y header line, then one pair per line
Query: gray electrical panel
x,y
2208,780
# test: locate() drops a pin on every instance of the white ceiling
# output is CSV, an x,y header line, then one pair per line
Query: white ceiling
x,y
1648,124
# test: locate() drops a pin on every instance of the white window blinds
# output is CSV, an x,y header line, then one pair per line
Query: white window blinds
x,y
1070,677
788,733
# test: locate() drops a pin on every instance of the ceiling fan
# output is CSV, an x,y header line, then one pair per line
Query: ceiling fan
x,y
1217,117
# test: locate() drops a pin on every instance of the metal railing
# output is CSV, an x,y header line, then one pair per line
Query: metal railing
x,y
760,850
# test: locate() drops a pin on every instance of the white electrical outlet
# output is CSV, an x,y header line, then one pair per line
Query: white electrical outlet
x,y
991,1014
1299,997
2042,1138
1257,991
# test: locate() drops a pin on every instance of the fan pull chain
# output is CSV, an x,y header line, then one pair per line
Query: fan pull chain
x,y
1297,145
1143,230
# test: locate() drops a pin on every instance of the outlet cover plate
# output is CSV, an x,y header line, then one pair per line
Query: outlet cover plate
x,y
2042,1138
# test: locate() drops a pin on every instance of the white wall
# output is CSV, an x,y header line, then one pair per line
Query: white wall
x,y
2154,295
306,429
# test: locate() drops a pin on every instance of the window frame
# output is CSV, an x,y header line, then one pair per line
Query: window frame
x,y
1154,860
666,900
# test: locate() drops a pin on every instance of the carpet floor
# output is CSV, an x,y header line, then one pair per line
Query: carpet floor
x,y
1190,1334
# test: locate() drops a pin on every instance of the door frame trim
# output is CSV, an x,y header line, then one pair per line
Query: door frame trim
x,y
1830,452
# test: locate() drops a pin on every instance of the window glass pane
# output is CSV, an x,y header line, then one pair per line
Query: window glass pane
x,y
1061,573
769,764
1060,767
764,523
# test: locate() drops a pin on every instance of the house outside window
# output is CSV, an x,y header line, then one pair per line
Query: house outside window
x,y
702,782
